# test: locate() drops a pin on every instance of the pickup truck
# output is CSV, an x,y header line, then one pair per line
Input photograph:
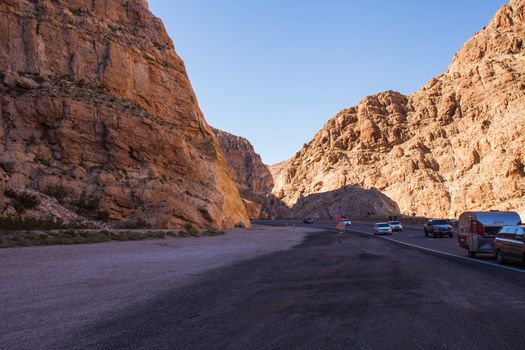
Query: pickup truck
x,y
437,227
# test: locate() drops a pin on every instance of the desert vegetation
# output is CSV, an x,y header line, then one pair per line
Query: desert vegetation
x,y
57,234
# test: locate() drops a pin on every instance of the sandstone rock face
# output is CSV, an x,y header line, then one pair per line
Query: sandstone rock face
x,y
254,209
252,177
456,144
96,105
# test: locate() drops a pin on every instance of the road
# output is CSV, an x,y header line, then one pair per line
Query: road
x,y
411,236
336,291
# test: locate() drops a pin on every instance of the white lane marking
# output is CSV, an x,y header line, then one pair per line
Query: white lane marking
x,y
448,254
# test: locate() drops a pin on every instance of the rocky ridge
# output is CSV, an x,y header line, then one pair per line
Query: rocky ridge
x,y
252,177
456,144
96,109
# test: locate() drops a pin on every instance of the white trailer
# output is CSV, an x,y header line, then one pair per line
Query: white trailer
x,y
477,230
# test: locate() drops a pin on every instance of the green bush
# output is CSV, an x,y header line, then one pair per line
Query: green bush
x,y
194,233
14,224
10,193
134,225
19,234
57,191
87,203
212,232
22,201
103,216
76,10
32,141
39,79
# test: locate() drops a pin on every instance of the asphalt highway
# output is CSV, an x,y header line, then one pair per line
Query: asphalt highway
x,y
332,291
412,236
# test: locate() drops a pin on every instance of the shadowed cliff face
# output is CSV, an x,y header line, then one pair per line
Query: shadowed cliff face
x,y
456,144
96,103
252,177
347,201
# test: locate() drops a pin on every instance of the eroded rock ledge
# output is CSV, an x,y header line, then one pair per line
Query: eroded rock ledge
x,y
96,104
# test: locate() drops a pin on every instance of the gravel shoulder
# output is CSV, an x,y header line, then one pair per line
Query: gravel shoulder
x,y
49,292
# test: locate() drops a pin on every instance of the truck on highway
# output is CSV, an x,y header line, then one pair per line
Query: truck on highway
x,y
437,227
477,230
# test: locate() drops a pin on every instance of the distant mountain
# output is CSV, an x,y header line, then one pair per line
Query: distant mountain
x,y
456,144
252,177
99,119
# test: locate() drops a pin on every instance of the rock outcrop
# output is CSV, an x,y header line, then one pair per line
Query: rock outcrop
x,y
252,177
456,144
97,109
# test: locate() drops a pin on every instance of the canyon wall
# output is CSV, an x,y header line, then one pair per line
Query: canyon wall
x,y
456,144
252,177
98,116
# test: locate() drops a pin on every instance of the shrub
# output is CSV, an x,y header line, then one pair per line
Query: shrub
x,y
100,89
87,203
22,201
14,224
31,141
189,231
57,191
10,193
134,225
213,232
193,232
39,79
103,216
156,234
68,234
173,234
76,10
142,224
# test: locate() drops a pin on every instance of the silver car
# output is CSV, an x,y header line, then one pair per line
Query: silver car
x,y
382,228
396,225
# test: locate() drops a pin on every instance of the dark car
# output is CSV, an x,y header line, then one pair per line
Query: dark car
x,y
437,227
510,244
308,221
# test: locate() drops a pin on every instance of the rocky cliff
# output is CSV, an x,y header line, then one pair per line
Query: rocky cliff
x,y
98,113
455,144
252,177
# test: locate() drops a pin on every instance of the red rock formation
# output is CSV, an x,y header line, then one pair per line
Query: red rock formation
x,y
456,144
96,103
252,177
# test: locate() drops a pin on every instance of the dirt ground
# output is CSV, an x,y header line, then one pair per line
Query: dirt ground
x,y
48,292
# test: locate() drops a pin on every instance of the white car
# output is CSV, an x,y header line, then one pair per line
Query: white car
x,y
347,222
395,225
382,228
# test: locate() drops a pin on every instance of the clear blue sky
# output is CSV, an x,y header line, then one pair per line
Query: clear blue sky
x,y
274,71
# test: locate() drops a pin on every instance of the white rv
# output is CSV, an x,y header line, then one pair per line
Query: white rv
x,y
477,230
